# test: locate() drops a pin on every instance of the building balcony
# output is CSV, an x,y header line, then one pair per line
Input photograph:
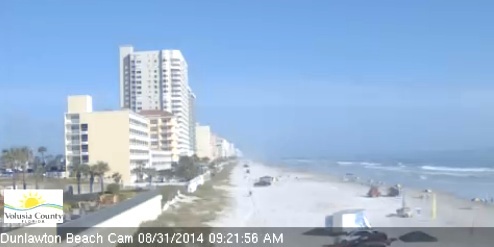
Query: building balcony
x,y
144,157
162,167
72,118
72,153
139,147
70,133
70,122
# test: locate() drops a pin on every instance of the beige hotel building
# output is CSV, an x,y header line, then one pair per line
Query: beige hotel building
x,y
163,133
120,138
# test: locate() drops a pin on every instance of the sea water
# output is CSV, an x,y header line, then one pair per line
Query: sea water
x,y
463,181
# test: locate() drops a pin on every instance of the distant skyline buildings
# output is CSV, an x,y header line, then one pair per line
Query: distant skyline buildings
x,y
158,80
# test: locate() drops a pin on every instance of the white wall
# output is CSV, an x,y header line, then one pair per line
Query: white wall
x,y
197,181
148,210
128,221
160,160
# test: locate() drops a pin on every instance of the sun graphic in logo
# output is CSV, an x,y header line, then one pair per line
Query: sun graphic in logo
x,y
31,200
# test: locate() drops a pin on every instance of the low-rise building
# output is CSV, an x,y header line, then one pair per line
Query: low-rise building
x,y
120,138
163,133
223,148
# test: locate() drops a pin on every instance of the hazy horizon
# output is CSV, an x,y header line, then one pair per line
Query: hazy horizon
x,y
276,78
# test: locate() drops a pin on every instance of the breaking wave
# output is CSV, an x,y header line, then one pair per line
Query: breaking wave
x,y
457,169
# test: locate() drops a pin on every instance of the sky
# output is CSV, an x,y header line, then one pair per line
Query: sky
x,y
278,77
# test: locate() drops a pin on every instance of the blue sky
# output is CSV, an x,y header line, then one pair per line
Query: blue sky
x,y
277,77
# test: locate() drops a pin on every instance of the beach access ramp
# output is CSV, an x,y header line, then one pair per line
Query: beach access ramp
x,y
347,220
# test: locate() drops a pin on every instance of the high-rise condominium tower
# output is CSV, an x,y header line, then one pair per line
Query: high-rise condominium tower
x,y
158,80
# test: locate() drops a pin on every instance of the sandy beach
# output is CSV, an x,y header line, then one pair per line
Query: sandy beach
x,y
304,200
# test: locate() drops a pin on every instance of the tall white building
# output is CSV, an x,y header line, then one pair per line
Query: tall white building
x,y
192,121
158,80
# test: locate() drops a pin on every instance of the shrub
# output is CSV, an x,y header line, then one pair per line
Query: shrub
x,y
67,207
113,188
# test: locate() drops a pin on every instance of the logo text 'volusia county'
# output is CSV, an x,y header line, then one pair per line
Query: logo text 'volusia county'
x,y
33,206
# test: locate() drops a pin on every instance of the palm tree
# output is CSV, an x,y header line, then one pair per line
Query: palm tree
x,y
100,168
25,155
39,170
150,173
91,172
139,170
38,173
42,150
9,160
15,159
80,170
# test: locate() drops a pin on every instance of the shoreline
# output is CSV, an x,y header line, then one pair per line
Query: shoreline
x,y
455,185
315,195
327,176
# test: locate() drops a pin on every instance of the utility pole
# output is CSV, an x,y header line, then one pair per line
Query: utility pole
x,y
434,206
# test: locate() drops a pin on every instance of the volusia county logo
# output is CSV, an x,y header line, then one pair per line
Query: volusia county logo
x,y
33,206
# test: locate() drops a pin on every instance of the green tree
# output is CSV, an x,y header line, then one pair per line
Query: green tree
x,y
167,174
100,168
117,177
39,170
205,159
139,171
186,168
196,158
9,160
42,150
17,158
25,156
81,170
92,173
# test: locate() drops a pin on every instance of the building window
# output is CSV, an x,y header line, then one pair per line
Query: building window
x,y
84,138
85,148
85,158
84,127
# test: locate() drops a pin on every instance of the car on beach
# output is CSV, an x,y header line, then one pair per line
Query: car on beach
x,y
358,237
262,184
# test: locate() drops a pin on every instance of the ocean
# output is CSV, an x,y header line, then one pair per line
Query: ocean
x,y
464,181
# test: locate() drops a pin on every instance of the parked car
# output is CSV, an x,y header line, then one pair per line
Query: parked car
x,y
354,238
262,184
